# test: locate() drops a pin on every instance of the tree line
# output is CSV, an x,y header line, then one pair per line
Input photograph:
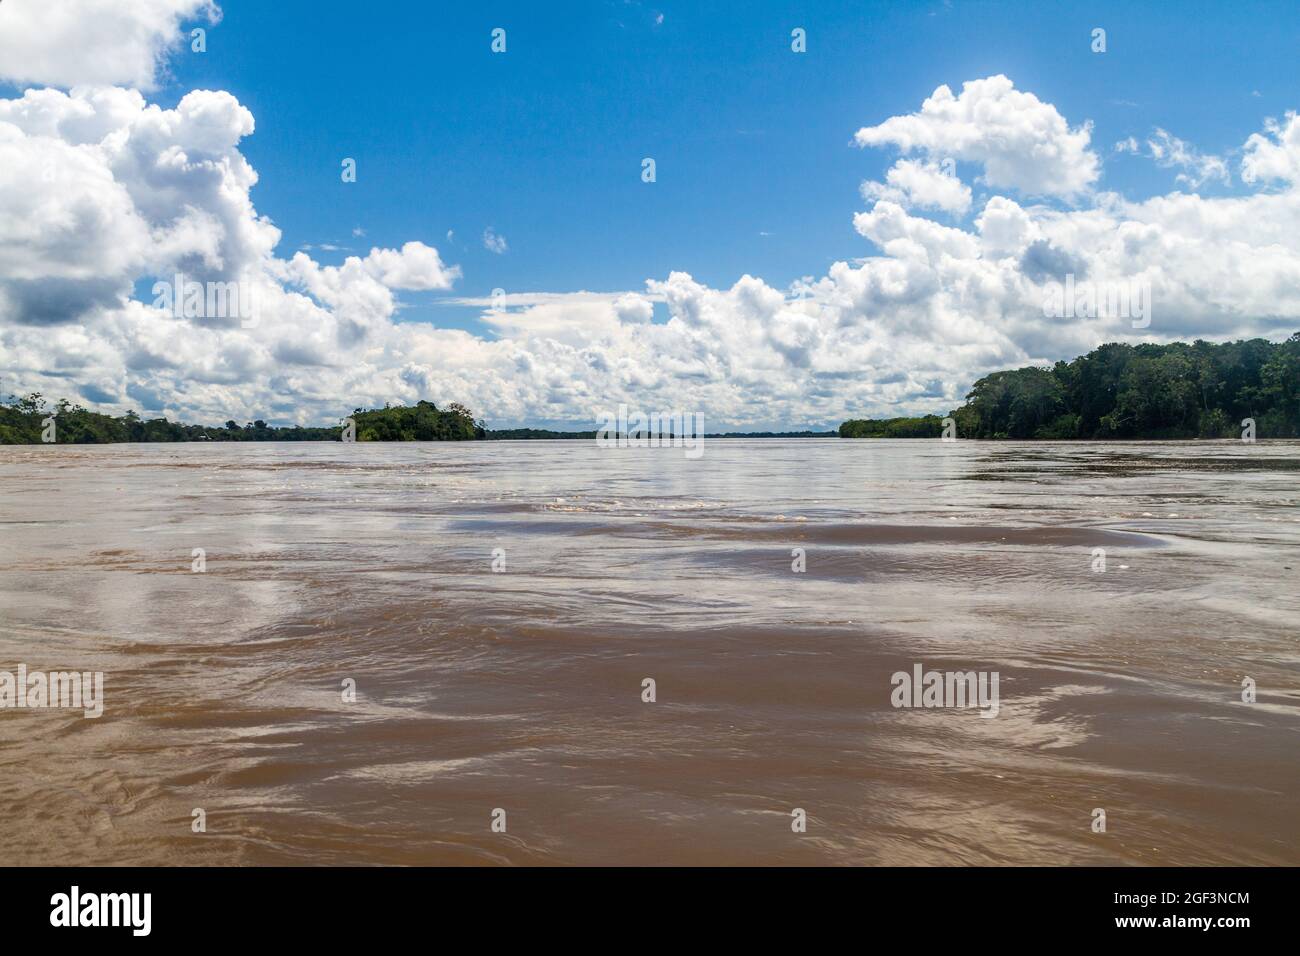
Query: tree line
x,y
29,419
1201,390
1179,390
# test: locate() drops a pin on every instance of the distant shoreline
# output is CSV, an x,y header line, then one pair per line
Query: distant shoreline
x,y
543,434
1117,392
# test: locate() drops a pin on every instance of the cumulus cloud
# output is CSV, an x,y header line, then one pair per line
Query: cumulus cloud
x,y
921,185
100,190
103,191
416,266
1022,142
93,42
1274,154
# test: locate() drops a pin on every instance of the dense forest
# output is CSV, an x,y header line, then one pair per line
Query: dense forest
x,y
23,421
422,421
1118,391
927,426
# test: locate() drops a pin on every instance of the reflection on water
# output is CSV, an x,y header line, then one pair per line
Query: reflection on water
x,y
521,690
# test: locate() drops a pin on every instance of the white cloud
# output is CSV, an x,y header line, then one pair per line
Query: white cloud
x,y
417,266
924,185
1274,154
1197,168
492,242
1022,142
1170,152
104,190
94,42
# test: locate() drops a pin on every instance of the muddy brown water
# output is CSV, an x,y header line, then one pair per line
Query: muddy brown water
x,y
521,689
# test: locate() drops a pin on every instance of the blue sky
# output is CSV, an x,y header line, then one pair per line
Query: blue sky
x,y
756,171
125,157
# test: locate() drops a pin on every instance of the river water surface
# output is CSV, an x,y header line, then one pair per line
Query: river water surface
x,y
521,689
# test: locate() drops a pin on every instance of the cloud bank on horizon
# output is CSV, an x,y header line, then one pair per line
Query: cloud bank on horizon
x,y
101,190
